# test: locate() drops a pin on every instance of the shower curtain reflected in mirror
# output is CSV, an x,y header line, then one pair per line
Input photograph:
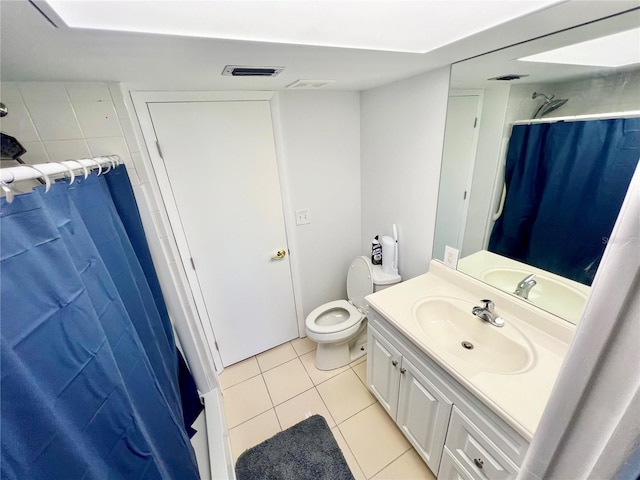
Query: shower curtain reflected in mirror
x,y
565,185
89,372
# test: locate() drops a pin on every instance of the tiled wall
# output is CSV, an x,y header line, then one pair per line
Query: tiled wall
x,y
57,121
615,92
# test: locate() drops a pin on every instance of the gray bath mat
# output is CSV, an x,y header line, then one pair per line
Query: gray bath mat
x,y
306,451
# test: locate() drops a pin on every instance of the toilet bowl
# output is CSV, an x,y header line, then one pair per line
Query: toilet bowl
x,y
340,327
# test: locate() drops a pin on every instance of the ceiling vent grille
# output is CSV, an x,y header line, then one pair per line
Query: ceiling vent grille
x,y
309,84
509,77
243,71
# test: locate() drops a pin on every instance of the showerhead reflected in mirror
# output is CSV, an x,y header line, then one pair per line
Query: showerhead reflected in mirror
x,y
549,105
535,169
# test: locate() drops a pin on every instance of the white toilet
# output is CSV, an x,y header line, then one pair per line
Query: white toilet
x,y
340,327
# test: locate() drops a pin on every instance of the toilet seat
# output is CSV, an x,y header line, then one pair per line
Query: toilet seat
x,y
340,327
333,317
341,318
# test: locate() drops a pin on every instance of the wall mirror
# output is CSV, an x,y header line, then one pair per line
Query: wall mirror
x,y
537,159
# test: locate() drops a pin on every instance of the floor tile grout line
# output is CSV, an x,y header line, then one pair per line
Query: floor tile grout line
x,y
363,382
256,415
301,354
326,379
252,418
275,366
238,383
273,407
326,406
273,403
350,450
410,447
266,387
355,413
359,411
273,348
296,395
277,419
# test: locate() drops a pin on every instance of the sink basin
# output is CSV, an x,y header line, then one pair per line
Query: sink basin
x,y
448,323
549,294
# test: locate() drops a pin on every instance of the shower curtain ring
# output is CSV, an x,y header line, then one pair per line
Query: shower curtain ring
x,y
69,169
45,177
97,163
108,163
84,169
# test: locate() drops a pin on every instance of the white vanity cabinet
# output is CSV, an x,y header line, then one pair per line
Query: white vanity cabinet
x,y
456,435
419,408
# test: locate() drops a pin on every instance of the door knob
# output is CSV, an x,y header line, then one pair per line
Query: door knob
x,y
280,254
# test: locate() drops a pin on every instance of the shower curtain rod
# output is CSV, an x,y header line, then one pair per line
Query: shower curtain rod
x,y
572,118
21,173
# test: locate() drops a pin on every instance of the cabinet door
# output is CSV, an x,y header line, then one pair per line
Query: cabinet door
x,y
383,371
423,414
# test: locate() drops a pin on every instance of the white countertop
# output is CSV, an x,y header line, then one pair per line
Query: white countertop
x,y
518,398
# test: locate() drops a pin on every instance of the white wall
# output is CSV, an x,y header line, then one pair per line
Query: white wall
x,y
321,146
402,134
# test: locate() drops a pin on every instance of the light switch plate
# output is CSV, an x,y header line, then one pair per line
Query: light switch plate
x,y
303,216
451,256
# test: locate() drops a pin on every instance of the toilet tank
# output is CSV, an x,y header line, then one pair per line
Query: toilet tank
x,y
382,280
377,288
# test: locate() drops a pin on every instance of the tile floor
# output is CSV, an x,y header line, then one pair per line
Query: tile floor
x,y
280,387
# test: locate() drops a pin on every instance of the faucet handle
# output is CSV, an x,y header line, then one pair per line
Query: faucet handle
x,y
488,304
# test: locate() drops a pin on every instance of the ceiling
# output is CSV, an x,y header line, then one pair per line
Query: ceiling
x,y
31,49
474,73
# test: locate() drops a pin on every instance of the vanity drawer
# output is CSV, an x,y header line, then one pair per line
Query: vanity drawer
x,y
479,456
450,468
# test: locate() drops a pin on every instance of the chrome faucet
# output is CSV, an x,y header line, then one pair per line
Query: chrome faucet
x,y
525,286
486,312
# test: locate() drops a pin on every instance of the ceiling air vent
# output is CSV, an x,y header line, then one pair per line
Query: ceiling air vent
x,y
509,77
309,84
240,71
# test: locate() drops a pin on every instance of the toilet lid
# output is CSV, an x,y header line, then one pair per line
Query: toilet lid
x,y
359,282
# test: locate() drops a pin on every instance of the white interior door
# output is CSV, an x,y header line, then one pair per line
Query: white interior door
x,y
457,172
221,163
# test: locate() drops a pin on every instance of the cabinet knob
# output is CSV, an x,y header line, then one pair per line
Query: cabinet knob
x,y
403,370
394,363
479,463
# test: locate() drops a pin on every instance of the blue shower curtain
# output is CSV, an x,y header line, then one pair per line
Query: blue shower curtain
x,y
89,374
565,185
125,203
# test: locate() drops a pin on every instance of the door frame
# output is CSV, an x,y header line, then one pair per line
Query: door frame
x,y
474,151
155,164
